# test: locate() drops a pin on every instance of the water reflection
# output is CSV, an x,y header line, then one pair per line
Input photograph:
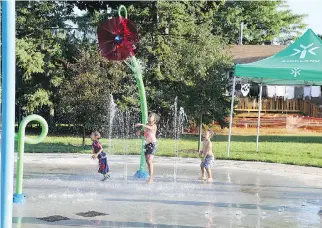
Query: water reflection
x,y
151,216
210,217
21,221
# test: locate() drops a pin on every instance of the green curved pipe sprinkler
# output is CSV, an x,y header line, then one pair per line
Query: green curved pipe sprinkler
x,y
19,197
137,71
141,173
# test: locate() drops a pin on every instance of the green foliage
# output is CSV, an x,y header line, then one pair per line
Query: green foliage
x,y
29,60
204,68
40,57
122,84
85,97
39,98
263,21
183,58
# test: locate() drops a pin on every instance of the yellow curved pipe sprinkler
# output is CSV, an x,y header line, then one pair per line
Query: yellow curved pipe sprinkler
x,y
19,197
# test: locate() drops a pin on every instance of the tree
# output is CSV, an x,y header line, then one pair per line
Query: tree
x,y
85,97
320,36
187,60
173,35
205,92
41,49
263,21
168,30
198,77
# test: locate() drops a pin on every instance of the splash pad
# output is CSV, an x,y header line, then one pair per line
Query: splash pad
x,y
65,195
64,192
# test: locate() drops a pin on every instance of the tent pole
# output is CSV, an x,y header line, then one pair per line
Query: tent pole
x,y
231,115
259,114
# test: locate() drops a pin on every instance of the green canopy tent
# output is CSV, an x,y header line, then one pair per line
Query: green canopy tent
x,y
298,64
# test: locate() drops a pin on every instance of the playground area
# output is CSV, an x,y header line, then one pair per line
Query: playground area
x,y
63,191
146,98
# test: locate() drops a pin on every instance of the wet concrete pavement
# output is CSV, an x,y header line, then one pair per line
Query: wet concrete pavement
x,y
243,194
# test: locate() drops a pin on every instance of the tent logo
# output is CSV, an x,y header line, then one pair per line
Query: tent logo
x,y
295,72
304,50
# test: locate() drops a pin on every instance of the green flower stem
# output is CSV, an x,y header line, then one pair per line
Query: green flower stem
x,y
144,107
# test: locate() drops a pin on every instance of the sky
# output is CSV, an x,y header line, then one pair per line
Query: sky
x,y
313,8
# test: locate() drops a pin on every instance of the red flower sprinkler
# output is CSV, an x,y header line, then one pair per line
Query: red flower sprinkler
x,y
119,41
118,38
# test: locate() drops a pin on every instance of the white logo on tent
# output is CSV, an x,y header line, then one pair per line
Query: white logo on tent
x,y
245,89
304,50
295,72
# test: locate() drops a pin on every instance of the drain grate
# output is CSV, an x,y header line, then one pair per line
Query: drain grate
x,y
54,218
90,214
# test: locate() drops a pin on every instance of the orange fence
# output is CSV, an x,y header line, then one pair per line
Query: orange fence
x,y
279,105
268,121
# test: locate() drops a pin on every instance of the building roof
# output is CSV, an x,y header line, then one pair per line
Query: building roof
x,y
252,53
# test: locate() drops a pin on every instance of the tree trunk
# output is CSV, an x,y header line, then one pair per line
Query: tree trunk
x,y
83,134
51,119
200,132
19,116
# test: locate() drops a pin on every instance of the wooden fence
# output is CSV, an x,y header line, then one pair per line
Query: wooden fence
x,y
279,105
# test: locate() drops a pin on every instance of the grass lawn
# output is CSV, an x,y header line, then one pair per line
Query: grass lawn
x,y
297,150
